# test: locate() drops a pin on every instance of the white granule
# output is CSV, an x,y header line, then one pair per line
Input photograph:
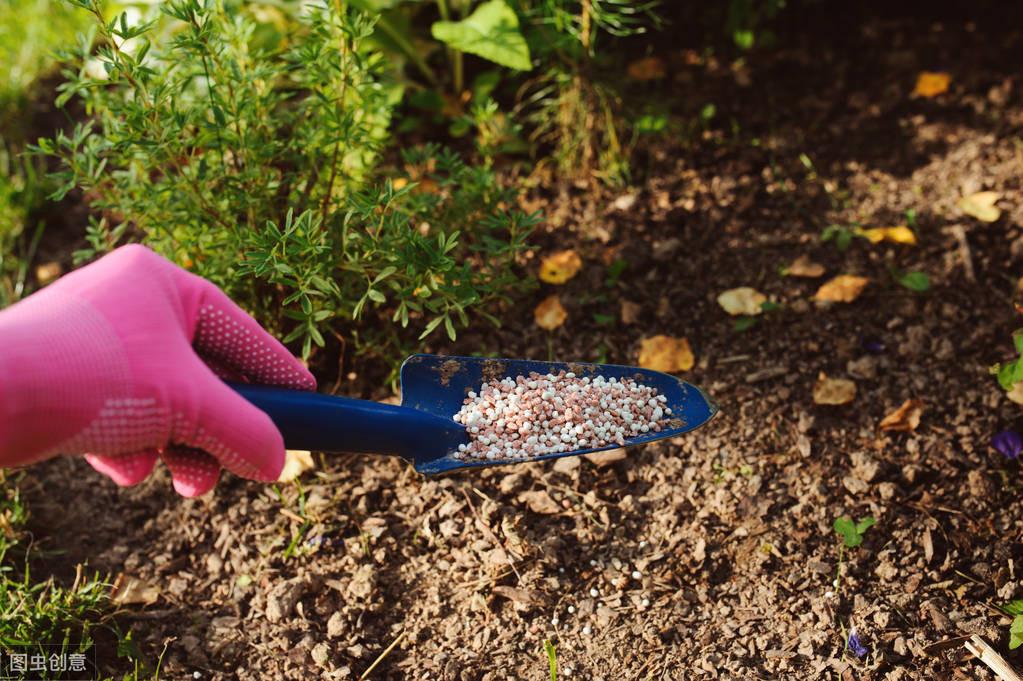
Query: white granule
x,y
524,417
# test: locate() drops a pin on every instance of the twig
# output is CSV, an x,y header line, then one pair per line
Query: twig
x,y
965,254
382,655
992,659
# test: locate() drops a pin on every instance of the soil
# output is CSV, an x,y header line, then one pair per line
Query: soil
x,y
728,529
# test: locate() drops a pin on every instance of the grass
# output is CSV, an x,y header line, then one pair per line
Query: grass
x,y
38,614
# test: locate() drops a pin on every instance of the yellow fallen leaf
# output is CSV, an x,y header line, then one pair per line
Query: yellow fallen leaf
x,y
896,235
833,391
1016,394
742,300
665,353
550,313
648,68
844,288
296,462
804,267
558,268
906,418
981,206
931,83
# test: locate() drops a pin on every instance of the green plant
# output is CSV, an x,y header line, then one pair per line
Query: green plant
x,y
1010,374
257,167
852,536
552,658
569,107
37,615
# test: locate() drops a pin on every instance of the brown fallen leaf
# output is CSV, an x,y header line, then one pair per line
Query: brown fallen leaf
x,y
900,234
905,419
559,267
516,595
630,312
550,313
742,301
606,457
931,83
540,502
833,391
665,353
981,206
128,590
648,68
845,288
804,267
296,462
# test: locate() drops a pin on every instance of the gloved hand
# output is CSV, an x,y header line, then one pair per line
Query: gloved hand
x,y
121,359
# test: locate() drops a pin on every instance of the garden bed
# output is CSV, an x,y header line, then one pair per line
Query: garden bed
x,y
709,555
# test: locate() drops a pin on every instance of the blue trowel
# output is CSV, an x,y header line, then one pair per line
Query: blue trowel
x,y
422,430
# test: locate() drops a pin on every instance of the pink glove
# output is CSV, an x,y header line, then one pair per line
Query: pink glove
x,y
119,358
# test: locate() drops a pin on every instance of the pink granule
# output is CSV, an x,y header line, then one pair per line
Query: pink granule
x,y
525,417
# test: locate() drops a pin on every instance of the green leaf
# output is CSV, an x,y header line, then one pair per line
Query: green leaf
x,y
1014,607
552,658
1006,374
449,327
491,32
434,323
915,281
1017,340
376,296
1016,632
745,323
865,524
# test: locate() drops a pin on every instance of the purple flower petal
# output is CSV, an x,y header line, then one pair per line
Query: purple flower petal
x,y
1009,443
873,345
856,646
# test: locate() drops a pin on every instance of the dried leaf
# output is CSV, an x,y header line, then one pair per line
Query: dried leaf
x,y
540,502
559,267
648,68
550,313
516,595
665,353
845,288
630,311
296,462
896,235
47,272
1016,394
606,457
833,391
931,83
804,267
742,301
133,591
981,206
906,418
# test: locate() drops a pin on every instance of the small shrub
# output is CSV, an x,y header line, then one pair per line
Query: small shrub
x,y
254,163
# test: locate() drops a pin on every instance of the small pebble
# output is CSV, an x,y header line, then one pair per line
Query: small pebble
x,y
594,593
554,621
645,602
587,630
636,574
571,609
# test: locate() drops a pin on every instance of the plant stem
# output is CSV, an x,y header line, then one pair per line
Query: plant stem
x,y
454,56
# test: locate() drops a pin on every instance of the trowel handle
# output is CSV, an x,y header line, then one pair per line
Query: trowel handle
x,y
328,423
